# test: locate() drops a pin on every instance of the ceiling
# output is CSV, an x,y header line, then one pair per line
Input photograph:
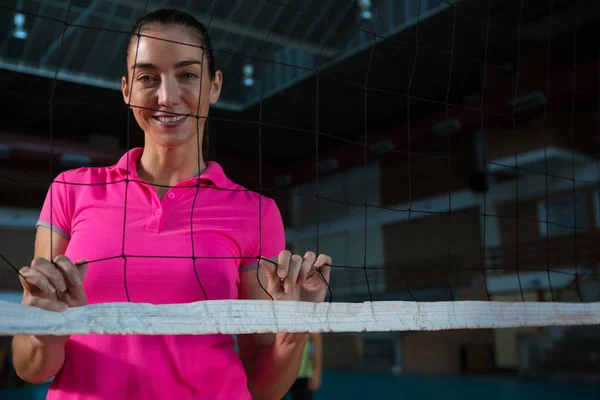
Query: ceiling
x,y
282,40
328,82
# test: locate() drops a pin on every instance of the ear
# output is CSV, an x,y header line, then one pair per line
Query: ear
x,y
125,89
215,87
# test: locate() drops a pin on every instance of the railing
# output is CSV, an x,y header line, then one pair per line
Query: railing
x,y
457,270
454,270
582,250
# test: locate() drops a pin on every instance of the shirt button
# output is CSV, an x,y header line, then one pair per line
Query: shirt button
x,y
171,195
157,212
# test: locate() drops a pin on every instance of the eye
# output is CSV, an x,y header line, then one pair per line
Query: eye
x,y
189,75
145,78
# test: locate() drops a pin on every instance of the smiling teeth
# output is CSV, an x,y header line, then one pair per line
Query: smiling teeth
x,y
171,119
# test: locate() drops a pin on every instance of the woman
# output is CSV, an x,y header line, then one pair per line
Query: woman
x,y
162,201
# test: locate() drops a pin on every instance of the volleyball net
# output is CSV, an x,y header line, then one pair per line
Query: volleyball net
x,y
471,203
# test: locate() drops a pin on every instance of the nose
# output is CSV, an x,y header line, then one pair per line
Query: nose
x,y
168,93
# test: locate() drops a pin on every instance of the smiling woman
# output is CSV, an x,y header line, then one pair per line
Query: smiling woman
x,y
173,79
164,226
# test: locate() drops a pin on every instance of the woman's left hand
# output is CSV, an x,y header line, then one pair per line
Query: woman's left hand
x,y
297,278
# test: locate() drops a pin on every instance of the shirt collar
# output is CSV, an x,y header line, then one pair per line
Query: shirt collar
x,y
213,173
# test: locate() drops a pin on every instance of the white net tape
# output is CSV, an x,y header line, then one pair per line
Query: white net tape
x,y
261,316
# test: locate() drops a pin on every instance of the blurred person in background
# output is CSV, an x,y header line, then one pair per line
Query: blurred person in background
x,y
311,370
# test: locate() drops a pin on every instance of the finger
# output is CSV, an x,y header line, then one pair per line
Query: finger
x,y
293,271
31,279
273,282
69,270
307,265
324,263
82,266
270,267
283,263
46,304
51,272
75,274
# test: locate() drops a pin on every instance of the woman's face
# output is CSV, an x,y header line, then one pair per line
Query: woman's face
x,y
168,85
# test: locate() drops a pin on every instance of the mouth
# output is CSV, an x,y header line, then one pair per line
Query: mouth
x,y
170,121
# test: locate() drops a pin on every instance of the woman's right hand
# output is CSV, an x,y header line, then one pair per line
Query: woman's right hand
x,y
54,286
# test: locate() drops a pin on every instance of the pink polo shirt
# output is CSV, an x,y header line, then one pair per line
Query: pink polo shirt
x,y
224,227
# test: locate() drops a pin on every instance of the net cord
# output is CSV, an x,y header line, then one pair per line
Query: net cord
x,y
265,316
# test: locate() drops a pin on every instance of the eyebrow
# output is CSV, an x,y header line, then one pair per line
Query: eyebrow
x,y
180,64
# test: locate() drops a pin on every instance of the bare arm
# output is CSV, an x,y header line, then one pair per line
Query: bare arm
x,y
271,361
318,354
315,380
38,358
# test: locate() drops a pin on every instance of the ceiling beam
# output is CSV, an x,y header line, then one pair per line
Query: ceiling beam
x,y
68,31
250,32
84,79
126,23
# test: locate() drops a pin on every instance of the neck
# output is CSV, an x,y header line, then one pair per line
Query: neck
x,y
169,166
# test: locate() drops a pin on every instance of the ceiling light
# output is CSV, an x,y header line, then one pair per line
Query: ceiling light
x,y
365,9
19,32
248,75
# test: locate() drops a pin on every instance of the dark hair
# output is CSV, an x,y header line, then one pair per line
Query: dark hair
x,y
169,17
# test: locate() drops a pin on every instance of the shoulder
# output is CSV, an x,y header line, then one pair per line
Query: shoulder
x,y
240,196
251,199
259,221
87,176
114,173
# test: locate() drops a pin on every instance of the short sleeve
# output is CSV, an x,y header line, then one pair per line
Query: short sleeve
x,y
269,238
56,212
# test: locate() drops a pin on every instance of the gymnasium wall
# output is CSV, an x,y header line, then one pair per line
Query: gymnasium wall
x,y
448,352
